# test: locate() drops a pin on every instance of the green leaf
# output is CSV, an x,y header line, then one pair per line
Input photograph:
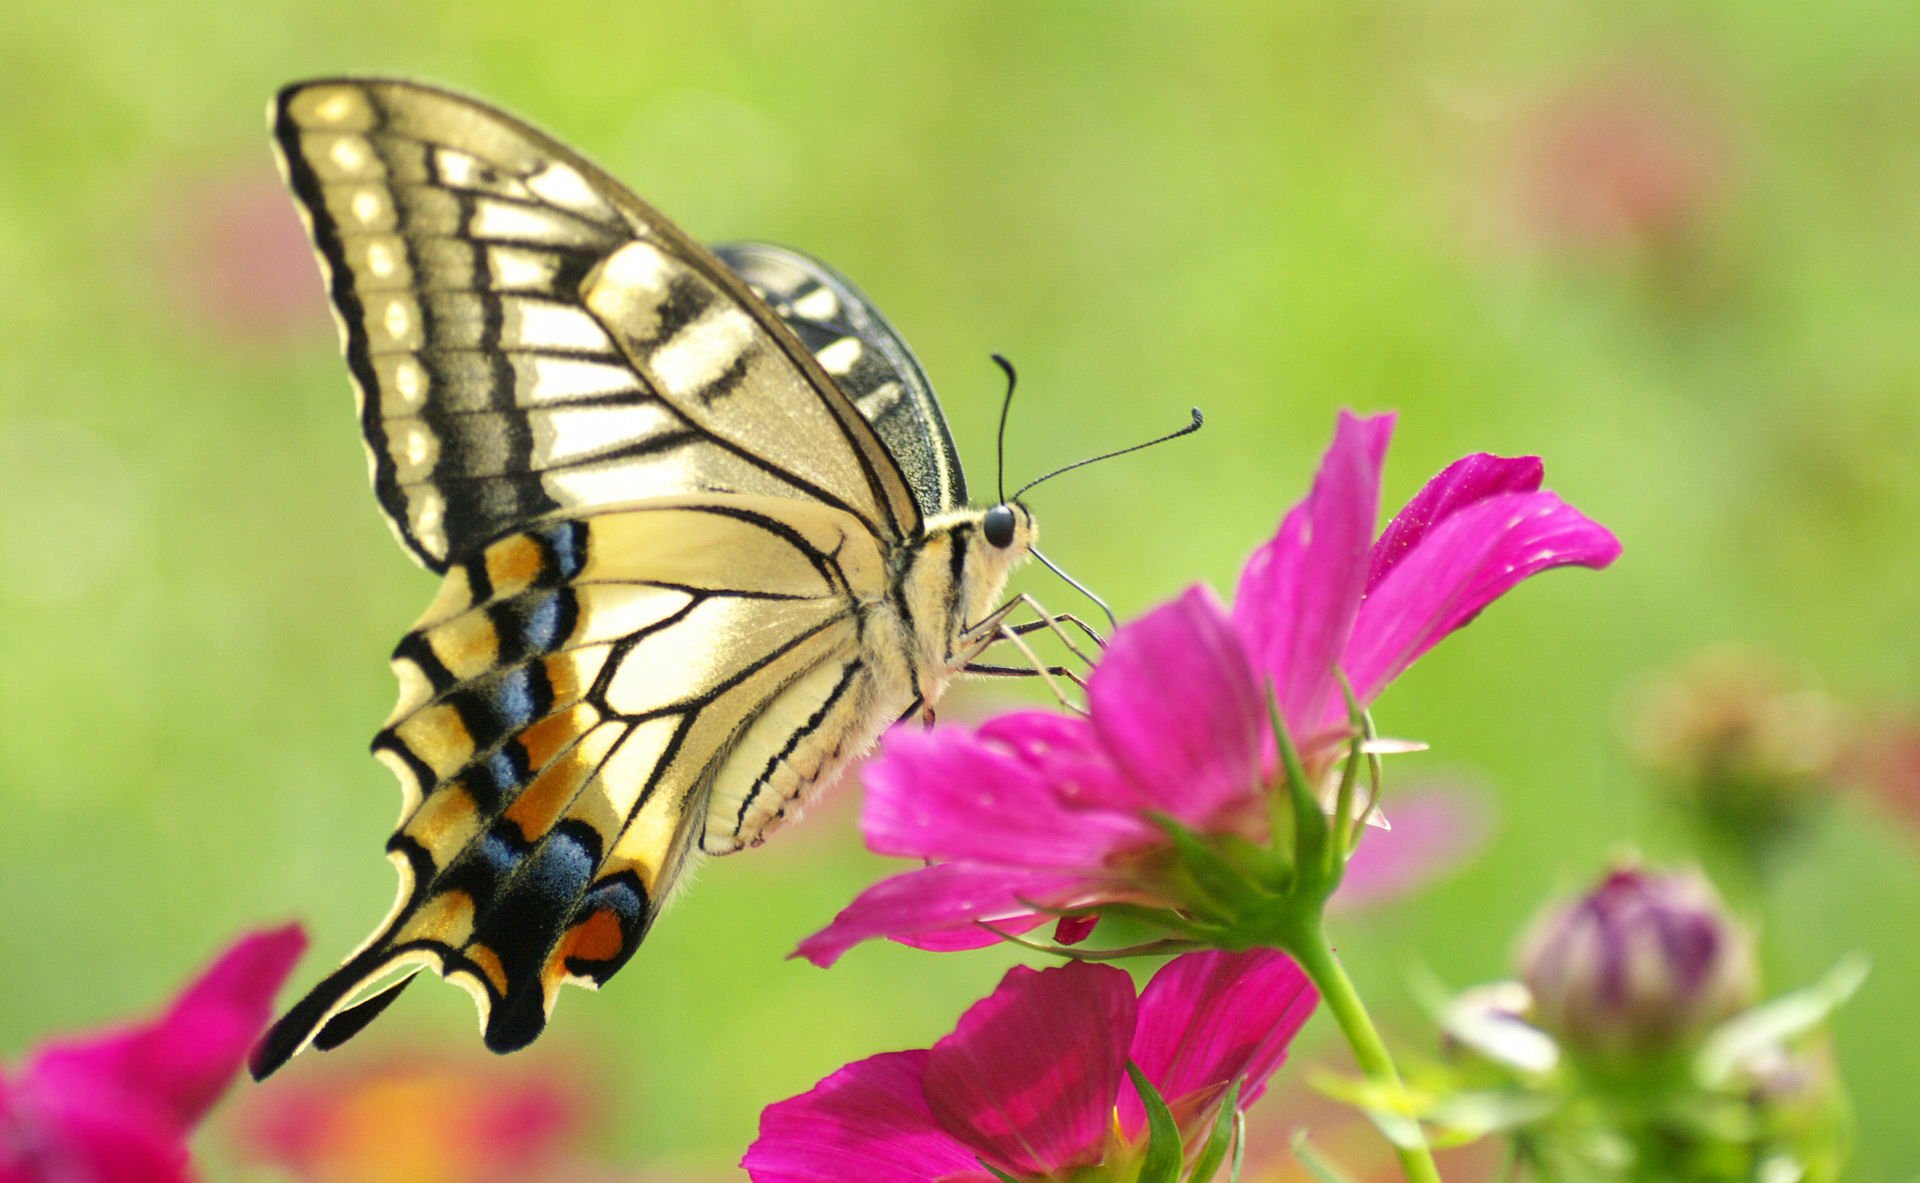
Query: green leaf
x,y
1215,1151
1164,1151
1757,1030
996,1172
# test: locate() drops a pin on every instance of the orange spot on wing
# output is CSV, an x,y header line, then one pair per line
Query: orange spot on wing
x,y
512,564
550,736
597,938
540,804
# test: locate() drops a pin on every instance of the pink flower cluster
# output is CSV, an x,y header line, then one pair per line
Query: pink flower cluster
x,y
1034,813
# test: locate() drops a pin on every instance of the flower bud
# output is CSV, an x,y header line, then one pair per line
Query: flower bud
x,y
1640,967
1741,749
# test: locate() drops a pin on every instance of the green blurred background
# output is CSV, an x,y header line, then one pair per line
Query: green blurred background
x,y
1670,248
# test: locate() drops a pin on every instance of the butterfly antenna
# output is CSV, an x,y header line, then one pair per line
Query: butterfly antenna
x,y
1189,429
1076,585
1000,448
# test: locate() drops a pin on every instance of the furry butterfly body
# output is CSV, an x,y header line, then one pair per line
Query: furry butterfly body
x,y
701,531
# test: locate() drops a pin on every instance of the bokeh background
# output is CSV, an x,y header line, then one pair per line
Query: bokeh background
x,y
1670,248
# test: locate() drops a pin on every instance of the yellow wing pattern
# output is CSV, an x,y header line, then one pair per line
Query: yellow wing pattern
x,y
572,691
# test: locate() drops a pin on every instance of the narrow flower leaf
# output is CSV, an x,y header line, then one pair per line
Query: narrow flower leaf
x,y
1309,820
1320,1168
1164,1150
1214,1153
1753,1032
996,1172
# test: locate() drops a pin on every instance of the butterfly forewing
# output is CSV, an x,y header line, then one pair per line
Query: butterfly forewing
x,y
460,245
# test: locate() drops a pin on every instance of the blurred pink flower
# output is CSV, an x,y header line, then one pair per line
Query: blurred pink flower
x,y
422,1118
117,1106
231,245
1630,159
1883,757
1033,1079
1435,829
1033,811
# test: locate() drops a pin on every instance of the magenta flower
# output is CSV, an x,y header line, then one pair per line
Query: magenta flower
x,y
117,1106
1034,813
1033,1081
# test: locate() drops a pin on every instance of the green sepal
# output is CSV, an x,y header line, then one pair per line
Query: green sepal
x,y
1239,1147
1226,892
1219,1139
1164,1150
996,1172
1309,821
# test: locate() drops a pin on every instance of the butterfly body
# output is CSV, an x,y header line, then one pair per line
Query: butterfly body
x,y
700,528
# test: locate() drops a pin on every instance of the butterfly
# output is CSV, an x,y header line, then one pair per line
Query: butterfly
x,y
701,530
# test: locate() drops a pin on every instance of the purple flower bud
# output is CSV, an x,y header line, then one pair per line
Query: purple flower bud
x,y
1640,967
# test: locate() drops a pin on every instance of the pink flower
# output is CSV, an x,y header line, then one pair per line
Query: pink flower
x,y
1034,812
424,1118
1435,829
117,1106
1033,1080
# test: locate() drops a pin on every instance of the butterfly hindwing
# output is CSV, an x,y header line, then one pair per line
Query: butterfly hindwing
x,y
461,246
584,705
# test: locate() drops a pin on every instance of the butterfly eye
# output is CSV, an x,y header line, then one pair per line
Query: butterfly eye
x,y
998,526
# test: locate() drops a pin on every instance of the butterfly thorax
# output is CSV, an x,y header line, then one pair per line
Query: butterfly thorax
x,y
949,583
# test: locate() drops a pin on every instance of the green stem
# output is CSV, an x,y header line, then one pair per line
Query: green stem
x,y
1316,957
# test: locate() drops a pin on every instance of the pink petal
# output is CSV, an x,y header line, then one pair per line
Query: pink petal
x,y
1467,480
1434,830
87,1140
1068,755
868,1121
1030,1073
177,1066
1465,563
1298,593
936,907
1177,703
952,794
1207,1019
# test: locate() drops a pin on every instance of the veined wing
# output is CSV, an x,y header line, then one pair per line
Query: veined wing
x,y
867,359
526,336
585,703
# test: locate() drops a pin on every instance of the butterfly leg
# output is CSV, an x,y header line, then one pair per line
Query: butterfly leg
x,y
995,629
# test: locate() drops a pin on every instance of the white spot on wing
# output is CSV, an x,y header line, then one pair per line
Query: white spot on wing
x,y
564,186
368,206
410,381
840,357
541,324
819,304
693,358
350,154
546,379
570,433
380,260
